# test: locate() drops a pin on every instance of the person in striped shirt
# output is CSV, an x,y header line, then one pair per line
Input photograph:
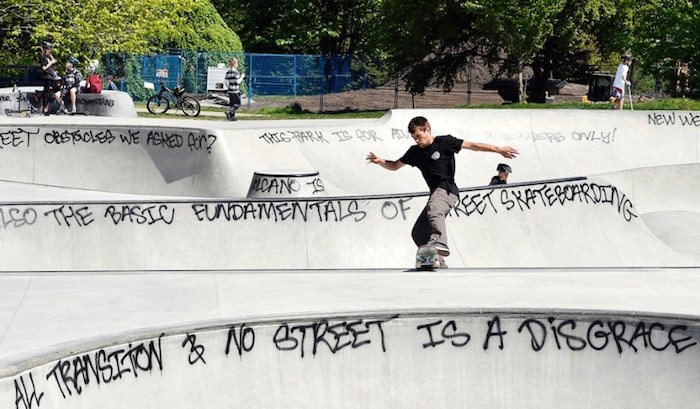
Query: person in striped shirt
x,y
233,81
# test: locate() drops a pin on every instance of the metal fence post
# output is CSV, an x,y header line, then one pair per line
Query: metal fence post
x,y
250,79
295,74
396,92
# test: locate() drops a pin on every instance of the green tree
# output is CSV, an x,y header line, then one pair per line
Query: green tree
x,y
430,42
550,35
333,27
666,38
88,28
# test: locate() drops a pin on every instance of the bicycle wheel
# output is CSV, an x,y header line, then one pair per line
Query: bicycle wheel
x,y
190,106
157,104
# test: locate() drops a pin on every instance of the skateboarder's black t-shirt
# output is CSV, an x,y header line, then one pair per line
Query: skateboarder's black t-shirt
x,y
436,162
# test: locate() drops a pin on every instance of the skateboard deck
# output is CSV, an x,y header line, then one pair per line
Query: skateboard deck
x,y
427,258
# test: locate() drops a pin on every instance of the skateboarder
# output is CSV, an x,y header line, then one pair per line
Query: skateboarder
x,y
434,156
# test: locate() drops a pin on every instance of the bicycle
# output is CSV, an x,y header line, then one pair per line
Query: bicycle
x,y
160,102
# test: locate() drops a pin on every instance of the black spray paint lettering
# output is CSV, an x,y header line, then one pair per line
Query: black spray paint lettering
x,y
673,118
494,330
165,139
322,211
275,137
600,335
130,138
65,214
196,353
15,138
475,203
284,185
26,394
95,101
392,210
243,338
316,186
444,332
75,374
77,137
136,214
527,198
15,217
606,137
200,142
275,185
332,336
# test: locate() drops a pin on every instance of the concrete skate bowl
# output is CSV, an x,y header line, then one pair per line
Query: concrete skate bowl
x,y
573,286
586,192
443,359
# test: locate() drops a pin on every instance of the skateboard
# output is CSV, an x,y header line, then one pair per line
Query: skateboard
x,y
427,258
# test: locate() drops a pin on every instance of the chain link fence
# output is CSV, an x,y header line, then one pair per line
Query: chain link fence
x,y
322,82
202,73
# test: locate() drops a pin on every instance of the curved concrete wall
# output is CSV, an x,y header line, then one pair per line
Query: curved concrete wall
x,y
476,359
568,223
108,103
219,159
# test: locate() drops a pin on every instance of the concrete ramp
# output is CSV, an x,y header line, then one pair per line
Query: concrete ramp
x,y
218,159
383,360
560,223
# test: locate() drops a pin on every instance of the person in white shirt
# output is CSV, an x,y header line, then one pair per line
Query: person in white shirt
x,y
621,81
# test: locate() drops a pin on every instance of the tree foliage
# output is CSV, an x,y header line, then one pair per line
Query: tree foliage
x,y
665,41
88,28
332,27
427,42
550,35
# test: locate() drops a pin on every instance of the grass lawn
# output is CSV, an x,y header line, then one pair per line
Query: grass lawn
x,y
293,111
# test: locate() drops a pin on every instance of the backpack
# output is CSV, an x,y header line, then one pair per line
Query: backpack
x,y
93,84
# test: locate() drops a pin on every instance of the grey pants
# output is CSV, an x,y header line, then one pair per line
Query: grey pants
x,y
431,221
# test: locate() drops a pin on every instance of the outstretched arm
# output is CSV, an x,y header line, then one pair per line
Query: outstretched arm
x,y
386,164
505,151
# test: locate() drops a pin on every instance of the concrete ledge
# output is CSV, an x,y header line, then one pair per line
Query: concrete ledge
x,y
108,103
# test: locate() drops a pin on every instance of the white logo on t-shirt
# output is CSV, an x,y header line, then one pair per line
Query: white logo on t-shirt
x,y
435,155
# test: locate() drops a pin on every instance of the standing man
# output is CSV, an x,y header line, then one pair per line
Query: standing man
x,y
233,80
434,156
621,81
49,76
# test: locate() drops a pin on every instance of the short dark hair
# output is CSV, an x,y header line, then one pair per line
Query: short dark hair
x,y
418,122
